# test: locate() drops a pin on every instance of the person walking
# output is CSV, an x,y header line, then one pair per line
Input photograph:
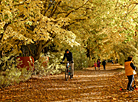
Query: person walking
x,y
129,71
95,65
104,63
98,64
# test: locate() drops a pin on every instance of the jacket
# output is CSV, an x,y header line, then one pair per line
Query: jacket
x,y
129,68
104,63
68,56
95,64
98,64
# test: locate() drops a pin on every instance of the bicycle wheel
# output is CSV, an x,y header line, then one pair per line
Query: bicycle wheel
x,y
66,75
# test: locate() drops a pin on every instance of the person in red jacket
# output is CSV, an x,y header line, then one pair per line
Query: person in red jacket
x,y
129,71
95,65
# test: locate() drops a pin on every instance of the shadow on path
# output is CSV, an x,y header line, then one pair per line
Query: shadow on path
x,y
88,85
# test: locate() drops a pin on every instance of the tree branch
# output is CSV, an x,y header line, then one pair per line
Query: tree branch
x,y
5,27
50,4
135,3
131,10
55,9
128,14
30,51
116,3
53,36
75,9
39,47
46,43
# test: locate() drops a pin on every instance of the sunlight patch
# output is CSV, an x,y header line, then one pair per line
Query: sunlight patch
x,y
80,80
75,88
92,93
101,75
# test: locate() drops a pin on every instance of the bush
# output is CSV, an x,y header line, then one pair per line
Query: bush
x,y
14,75
80,59
53,65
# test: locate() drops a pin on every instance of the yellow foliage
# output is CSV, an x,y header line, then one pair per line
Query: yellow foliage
x,y
102,22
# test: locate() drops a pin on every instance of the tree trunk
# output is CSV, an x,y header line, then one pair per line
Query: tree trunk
x,y
36,57
38,49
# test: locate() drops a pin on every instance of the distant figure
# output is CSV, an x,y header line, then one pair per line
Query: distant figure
x,y
129,71
116,61
104,63
95,65
98,64
112,61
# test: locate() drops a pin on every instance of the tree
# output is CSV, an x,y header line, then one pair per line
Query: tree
x,y
95,24
23,23
108,27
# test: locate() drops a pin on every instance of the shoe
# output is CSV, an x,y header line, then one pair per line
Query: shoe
x,y
130,89
71,76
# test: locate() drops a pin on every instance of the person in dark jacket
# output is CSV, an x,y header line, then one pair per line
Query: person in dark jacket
x,y
129,71
98,64
69,57
104,63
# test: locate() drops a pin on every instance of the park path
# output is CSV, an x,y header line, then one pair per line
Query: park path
x,y
88,85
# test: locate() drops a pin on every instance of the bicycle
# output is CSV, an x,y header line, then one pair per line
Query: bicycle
x,y
68,71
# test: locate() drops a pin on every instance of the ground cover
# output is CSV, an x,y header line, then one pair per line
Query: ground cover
x,y
88,85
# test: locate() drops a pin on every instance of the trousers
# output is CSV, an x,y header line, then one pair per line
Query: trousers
x,y
72,67
130,80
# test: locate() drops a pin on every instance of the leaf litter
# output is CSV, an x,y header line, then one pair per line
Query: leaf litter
x,y
87,85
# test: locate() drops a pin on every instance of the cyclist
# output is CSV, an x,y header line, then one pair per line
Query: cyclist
x,y
69,57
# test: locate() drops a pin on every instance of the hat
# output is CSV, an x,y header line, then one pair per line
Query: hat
x,y
66,50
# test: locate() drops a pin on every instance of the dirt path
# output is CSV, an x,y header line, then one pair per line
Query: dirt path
x,y
88,85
